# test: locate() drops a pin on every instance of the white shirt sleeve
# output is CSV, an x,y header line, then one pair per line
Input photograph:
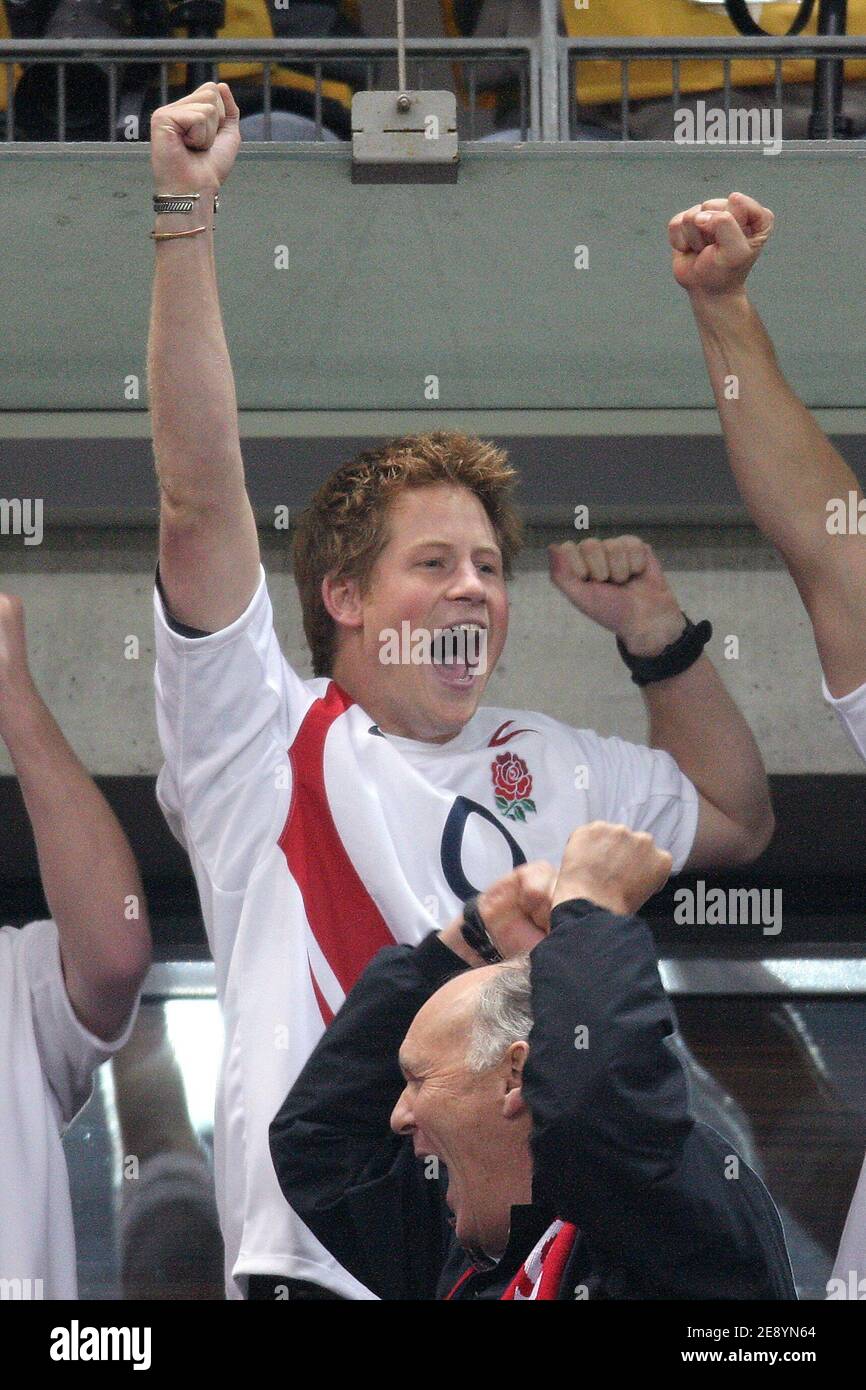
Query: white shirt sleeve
x,y
644,789
68,1053
228,706
851,713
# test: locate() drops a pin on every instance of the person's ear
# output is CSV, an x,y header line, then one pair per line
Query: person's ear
x,y
513,1104
341,595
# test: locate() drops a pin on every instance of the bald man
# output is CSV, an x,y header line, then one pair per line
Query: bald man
x,y
543,1084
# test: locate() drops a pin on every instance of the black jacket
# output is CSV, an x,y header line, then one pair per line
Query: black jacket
x,y
614,1148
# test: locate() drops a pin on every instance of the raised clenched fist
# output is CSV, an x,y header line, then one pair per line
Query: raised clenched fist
x,y
620,585
612,866
194,141
716,243
516,909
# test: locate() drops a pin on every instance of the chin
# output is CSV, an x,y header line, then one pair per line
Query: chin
x,y
455,707
450,723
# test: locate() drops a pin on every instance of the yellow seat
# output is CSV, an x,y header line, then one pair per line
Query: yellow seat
x,y
600,81
5,34
249,19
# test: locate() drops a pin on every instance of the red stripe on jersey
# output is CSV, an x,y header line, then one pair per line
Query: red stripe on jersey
x,y
345,921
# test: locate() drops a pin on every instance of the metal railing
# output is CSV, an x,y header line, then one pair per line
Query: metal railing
x,y
428,60
543,70
572,52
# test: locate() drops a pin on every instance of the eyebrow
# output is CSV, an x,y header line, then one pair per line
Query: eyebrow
x,y
404,1066
449,545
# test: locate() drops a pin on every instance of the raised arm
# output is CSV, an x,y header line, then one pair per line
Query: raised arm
x,y
620,585
338,1164
355,1183
208,550
785,467
615,1149
89,875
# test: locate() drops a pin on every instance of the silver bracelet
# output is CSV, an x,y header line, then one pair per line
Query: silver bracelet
x,y
181,202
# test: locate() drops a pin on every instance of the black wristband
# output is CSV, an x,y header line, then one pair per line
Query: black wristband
x,y
676,658
475,933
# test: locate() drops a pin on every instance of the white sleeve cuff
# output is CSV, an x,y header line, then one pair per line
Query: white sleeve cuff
x,y
688,827
212,640
851,712
69,1052
854,700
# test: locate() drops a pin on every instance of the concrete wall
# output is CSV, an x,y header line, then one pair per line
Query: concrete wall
x,y
87,591
476,282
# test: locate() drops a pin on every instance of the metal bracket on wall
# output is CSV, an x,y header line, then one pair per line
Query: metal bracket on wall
x,y
404,137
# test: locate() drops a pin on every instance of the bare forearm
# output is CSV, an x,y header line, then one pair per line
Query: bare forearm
x,y
787,472
192,391
785,467
208,544
89,875
693,718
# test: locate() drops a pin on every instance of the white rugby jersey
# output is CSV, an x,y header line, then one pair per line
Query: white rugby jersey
x,y
315,840
47,1062
851,713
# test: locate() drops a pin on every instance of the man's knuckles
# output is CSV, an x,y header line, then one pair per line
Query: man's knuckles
x,y
616,560
186,112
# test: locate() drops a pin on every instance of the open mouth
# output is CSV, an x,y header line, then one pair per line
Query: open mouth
x,y
458,654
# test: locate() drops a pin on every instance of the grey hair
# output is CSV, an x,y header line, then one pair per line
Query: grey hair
x,y
503,1015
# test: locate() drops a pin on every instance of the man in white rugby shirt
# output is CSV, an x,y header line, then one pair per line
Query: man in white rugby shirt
x,y
798,490
327,818
68,987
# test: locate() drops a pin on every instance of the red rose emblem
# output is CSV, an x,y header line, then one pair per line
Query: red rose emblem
x,y
512,785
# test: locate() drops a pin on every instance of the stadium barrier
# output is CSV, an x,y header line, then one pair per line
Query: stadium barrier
x,y
545,68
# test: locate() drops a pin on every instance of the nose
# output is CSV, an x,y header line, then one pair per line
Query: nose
x,y
467,583
402,1121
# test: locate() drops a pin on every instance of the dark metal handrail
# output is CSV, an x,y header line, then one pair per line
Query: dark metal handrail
x,y
313,53
551,62
827,51
250,50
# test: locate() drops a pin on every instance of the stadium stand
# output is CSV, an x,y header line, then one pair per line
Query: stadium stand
x,y
594,384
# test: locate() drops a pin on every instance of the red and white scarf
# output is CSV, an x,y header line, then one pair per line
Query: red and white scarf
x,y
541,1273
